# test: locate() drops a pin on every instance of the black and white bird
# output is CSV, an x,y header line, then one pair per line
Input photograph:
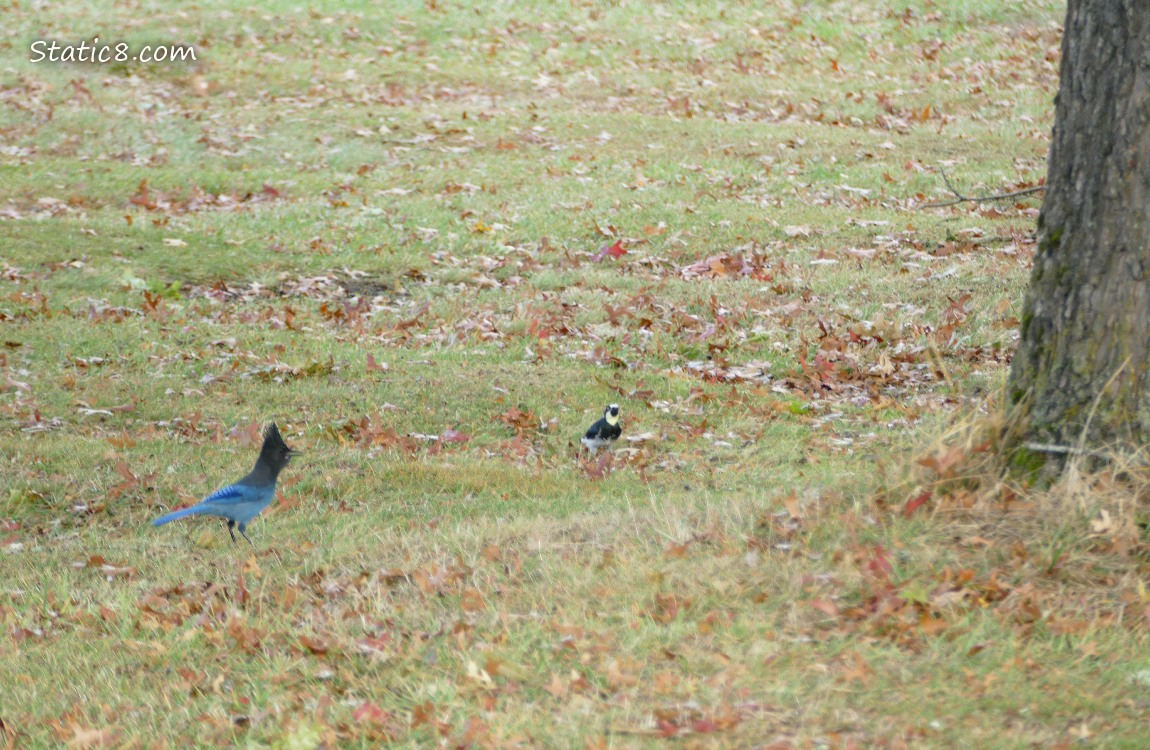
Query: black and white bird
x,y
605,431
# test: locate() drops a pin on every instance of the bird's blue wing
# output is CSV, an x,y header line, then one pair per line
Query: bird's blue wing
x,y
233,493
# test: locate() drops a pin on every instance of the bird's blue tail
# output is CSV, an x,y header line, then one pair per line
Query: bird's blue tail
x,y
177,514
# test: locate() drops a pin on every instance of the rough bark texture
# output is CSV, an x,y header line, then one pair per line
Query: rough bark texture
x,y
1087,312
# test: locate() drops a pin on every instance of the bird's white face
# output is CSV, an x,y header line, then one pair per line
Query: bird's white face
x,y
611,414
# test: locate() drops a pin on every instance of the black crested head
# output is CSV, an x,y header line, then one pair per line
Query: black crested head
x,y
275,453
612,409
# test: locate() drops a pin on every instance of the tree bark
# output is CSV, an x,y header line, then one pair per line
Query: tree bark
x,y
1082,363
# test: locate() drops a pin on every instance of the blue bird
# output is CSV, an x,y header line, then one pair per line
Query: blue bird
x,y
239,503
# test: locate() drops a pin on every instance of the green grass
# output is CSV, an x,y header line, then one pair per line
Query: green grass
x,y
191,249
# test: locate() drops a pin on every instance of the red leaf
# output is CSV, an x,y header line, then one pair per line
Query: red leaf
x,y
704,726
880,565
915,503
369,713
453,436
615,250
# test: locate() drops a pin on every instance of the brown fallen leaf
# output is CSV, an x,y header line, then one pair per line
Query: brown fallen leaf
x,y
931,625
826,606
315,645
472,601
860,672
618,676
556,686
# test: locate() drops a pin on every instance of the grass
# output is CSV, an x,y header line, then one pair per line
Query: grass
x,y
193,250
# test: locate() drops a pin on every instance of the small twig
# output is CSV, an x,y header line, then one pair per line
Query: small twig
x,y
1063,450
1050,448
960,198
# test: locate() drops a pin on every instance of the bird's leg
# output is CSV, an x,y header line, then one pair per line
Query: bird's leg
x,y
244,534
232,523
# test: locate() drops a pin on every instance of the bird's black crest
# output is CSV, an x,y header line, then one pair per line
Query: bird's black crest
x,y
275,450
273,437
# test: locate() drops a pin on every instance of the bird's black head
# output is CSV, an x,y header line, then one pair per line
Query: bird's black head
x,y
275,452
611,411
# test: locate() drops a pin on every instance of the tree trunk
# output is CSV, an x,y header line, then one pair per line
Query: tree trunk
x,y
1082,364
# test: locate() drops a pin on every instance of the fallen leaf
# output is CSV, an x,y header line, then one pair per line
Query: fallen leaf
x,y
826,606
556,686
479,675
615,250
370,713
915,503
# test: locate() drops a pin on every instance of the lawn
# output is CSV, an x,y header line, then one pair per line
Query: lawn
x,y
432,242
